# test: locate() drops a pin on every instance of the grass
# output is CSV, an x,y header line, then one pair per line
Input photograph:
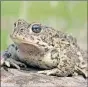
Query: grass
x,y
10,8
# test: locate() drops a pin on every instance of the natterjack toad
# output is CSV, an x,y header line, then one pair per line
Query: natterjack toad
x,y
41,46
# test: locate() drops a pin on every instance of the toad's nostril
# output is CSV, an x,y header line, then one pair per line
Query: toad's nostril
x,y
21,29
14,24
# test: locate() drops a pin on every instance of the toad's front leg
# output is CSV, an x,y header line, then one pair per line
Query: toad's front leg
x,y
9,58
8,61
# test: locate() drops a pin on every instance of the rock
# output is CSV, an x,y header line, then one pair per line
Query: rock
x,y
29,78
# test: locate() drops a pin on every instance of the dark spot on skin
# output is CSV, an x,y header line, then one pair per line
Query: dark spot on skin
x,y
70,75
21,30
16,48
53,45
83,63
50,33
12,45
7,55
37,43
23,38
43,45
61,66
40,44
73,43
46,49
65,61
39,60
30,51
56,35
38,52
63,40
67,45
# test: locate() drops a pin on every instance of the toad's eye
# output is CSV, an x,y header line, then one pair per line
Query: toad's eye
x,y
36,28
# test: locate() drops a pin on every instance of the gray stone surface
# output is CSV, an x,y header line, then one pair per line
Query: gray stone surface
x,y
29,78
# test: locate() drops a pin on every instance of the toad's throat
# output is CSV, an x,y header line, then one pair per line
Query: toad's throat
x,y
29,49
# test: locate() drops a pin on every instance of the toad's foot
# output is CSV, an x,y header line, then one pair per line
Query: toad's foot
x,y
55,72
47,72
7,60
11,62
82,71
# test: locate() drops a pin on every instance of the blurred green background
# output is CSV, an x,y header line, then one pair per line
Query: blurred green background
x,y
67,16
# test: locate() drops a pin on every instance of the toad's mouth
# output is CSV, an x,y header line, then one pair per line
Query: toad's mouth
x,y
19,40
26,44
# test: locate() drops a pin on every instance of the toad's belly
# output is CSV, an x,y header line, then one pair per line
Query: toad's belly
x,y
39,60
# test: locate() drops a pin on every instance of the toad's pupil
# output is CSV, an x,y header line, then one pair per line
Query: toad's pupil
x,y
36,28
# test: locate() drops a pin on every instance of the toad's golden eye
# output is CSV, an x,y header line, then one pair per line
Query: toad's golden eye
x,y
36,28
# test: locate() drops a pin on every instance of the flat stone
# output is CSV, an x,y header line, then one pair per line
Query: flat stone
x,y
30,78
